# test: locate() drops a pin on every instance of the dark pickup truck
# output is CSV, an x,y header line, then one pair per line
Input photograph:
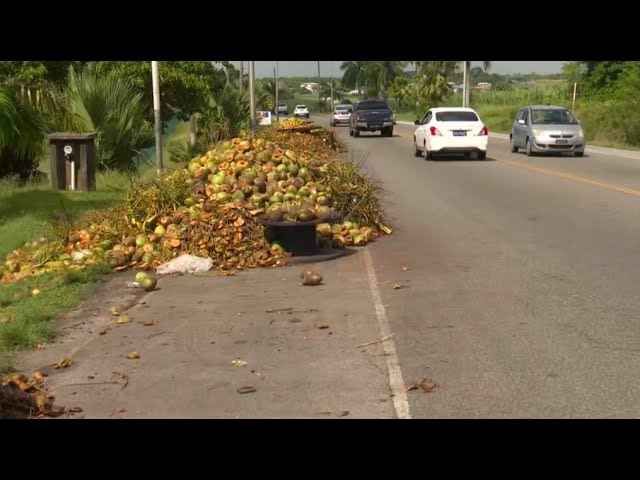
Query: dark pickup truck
x,y
371,116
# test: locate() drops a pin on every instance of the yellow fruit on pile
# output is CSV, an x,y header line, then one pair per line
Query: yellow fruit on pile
x,y
293,122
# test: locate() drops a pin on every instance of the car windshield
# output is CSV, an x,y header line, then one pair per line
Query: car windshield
x,y
373,105
555,116
343,108
301,106
454,116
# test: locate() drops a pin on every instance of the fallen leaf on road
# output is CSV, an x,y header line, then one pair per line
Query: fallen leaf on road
x,y
123,319
133,355
279,310
397,286
114,311
38,376
427,385
344,413
63,363
121,410
413,386
405,269
322,326
104,331
42,401
23,386
124,377
238,363
75,410
383,339
247,389
148,323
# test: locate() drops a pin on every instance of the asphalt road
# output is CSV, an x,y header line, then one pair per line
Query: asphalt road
x,y
523,279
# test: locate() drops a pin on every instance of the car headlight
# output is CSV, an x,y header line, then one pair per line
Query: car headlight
x,y
580,133
537,133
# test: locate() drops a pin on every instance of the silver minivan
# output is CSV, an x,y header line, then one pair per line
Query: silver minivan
x,y
547,129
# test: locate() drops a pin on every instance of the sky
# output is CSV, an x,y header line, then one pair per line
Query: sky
x,y
299,68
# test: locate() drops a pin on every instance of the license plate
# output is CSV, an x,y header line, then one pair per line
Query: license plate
x,y
561,142
376,125
459,133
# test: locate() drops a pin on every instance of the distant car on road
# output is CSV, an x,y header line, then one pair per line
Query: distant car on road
x,y
341,115
547,128
371,116
282,109
301,111
447,130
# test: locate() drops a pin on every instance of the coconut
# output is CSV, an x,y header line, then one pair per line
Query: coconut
x,y
149,284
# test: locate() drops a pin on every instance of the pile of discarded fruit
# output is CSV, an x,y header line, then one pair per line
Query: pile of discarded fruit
x,y
209,209
23,398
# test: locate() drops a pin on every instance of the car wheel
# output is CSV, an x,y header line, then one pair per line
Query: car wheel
x,y
356,133
307,116
416,150
482,155
350,132
427,154
514,148
579,154
528,148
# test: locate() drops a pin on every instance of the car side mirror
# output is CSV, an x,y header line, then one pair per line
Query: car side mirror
x,y
521,122
417,122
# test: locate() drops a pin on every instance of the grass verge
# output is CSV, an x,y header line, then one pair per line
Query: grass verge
x,y
28,212
27,319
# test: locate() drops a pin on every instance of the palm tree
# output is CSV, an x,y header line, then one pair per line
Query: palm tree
x,y
430,83
466,66
21,135
114,108
353,74
380,75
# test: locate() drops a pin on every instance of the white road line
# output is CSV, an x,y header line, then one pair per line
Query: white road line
x,y
396,382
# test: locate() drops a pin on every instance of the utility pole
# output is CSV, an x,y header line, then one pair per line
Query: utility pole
x,y
319,88
466,84
252,96
331,93
241,86
277,92
573,106
331,84
155,80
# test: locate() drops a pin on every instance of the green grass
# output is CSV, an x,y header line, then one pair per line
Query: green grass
x,y
26,214
27,319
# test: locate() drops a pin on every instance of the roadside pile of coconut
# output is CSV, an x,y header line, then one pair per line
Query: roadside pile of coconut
x,y
209,209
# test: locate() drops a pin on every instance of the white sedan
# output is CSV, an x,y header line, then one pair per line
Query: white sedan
x,y
301,111
448,130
